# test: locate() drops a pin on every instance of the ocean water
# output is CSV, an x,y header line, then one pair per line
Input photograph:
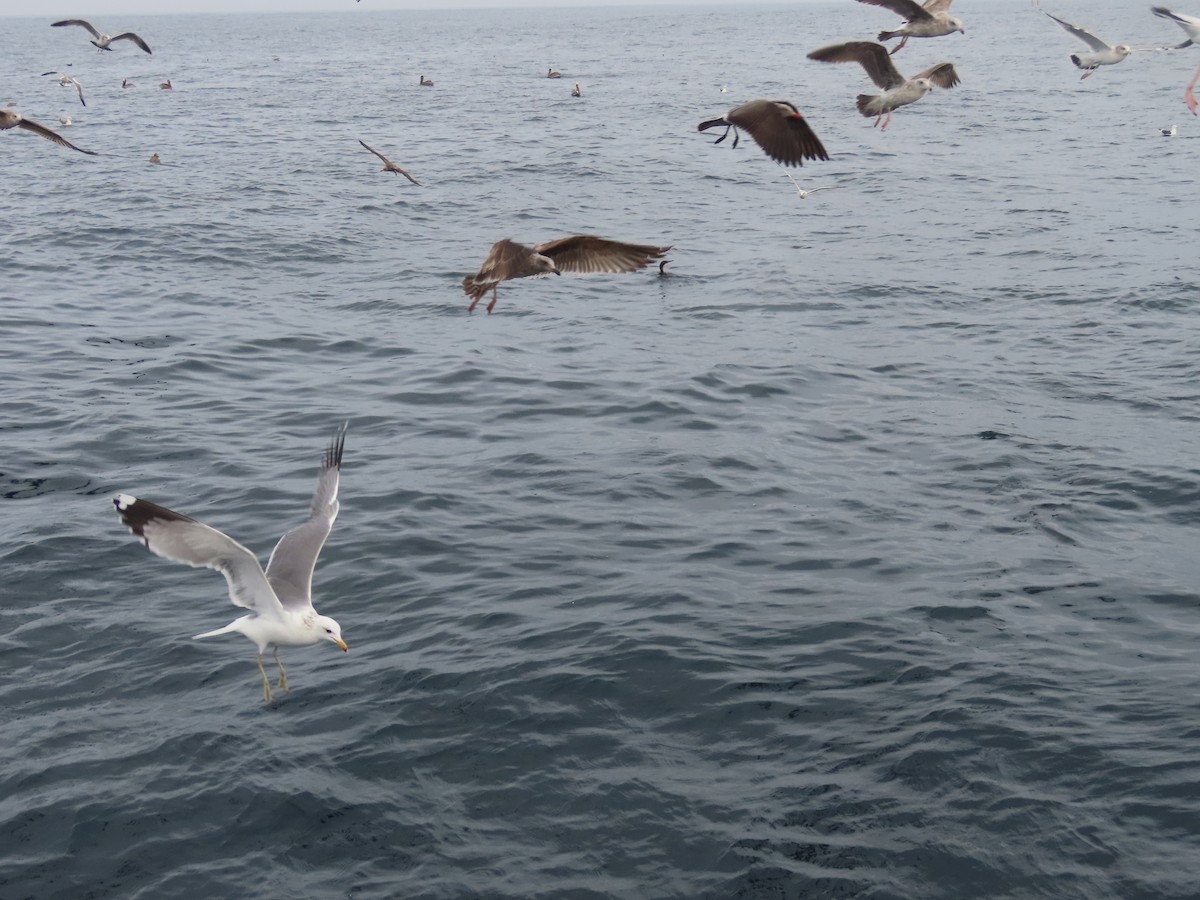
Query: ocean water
x,y
857,558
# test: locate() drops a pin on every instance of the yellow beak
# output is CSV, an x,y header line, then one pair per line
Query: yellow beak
x,y
341,645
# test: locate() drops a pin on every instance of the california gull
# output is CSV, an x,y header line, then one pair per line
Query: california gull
x,y
10,119
281,597
776,126
931,19
1102,53
389,166
897,90
65,80
582,253
803,193
102,41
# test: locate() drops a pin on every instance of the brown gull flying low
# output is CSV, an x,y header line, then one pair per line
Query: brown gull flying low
x,y
897,90
776,126
67,81
280,598
582,253
102,41
1191,27
389,166
10,119
1103,53
932,19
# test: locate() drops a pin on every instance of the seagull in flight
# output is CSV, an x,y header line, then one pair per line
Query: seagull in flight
x,y
932,19
776,126
280,598
583,253
68,81
389,166
102,41
10,119
1102,53
801,192
897,90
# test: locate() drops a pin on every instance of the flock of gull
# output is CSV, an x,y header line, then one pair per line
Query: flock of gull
x,y
279,597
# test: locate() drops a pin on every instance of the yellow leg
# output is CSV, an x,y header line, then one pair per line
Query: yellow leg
x,y
283,684
266,684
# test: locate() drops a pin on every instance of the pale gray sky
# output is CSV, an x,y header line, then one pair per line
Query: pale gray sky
x,y
119,8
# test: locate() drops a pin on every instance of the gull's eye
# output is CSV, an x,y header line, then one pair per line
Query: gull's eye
x,y
329,631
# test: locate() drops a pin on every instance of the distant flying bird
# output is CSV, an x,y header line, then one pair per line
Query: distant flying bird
x,y
102,41
897,90
577,92
776,126
166,85
68,81
425,82
9,119
801,192
1169,132
389,166
550,73
583,253
1103,53
1191,27
932,19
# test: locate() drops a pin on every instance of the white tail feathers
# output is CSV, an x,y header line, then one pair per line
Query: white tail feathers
x,y
231,627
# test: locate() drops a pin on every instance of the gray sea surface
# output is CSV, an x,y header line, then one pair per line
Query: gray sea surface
x,y
856,558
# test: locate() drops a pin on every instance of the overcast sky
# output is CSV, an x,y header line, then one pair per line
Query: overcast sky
x,y
83,8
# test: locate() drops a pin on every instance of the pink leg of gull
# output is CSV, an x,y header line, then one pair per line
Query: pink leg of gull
x,y
899,46
1188,95
884,126
493,303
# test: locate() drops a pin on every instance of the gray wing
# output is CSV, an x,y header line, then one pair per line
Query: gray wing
x,y
910,10
871,56
588,253
942,75
51,136
290,569
182,539
933,7
1190,24
79,87
130,36
80,22
1086,36
779,129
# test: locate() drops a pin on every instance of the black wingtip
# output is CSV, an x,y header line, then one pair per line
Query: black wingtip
x,y
333,456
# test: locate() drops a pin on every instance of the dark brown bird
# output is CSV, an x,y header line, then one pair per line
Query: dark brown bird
x,y
389,166
102,41
10,119
776,126
426,82
897,90
583,253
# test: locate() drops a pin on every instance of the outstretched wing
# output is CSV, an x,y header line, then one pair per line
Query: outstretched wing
x,y
51,136
779,129
182,539
130,36
1086,36
871,56
933,7
910,10
386,161
80,22
290,569
942,75
587,253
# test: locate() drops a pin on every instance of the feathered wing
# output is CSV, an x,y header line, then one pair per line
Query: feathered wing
x,y
80,22
130,36
386,161
51,136
182,539
586,253
909,10
290,569
79,88
779,129
933,7
1190,25
507,259
871,56
942,75
1086,36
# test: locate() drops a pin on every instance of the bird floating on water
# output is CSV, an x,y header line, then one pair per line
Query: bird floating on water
x,y
551,73
1191,27
897,90
1169,132
126,83
65,121
776,126
10,119
577,92
389,166
932,19
68,81
425,82
280,598
102,41
582,253
154,160
166,85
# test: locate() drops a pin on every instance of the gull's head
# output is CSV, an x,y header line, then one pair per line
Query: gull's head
x,y
957,25
331,631
545,265
924,84
1123,49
